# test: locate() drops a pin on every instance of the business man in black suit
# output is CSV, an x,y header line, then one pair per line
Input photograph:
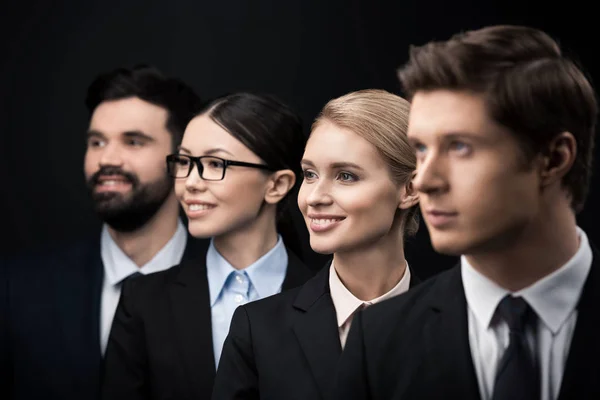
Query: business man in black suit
x,y
502,125
61,301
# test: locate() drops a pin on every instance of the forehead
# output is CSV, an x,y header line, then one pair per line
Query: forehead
x,y
127,115
441,112
203,134
331,143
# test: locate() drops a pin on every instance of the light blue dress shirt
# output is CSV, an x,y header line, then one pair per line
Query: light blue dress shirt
x,y
230,287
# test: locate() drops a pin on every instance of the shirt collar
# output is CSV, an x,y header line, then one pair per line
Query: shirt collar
x,y
118,266
553,298
345,303
266,274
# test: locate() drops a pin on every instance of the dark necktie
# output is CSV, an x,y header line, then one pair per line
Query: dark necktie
x,y
517,377
130,278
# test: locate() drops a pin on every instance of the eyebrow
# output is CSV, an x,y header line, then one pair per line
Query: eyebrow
x,y
451,136
335,165
182,149
128,134
94,134
138,135
206,153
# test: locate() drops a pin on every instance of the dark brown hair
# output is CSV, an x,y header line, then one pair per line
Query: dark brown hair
x,y
528,85
149,84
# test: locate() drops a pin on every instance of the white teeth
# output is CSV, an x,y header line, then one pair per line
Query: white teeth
x,y
324,221
111,183
199,207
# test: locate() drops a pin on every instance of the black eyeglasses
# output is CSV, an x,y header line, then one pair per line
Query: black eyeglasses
x,y
210,168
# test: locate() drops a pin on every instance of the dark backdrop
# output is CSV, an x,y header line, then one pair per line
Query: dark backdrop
x,y
304,51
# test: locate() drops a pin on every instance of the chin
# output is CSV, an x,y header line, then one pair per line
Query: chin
x,y
448,245
199,230
322,247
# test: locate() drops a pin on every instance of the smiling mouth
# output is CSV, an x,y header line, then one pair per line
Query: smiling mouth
x,y
112,185
325,221
324,224
200,207
112,182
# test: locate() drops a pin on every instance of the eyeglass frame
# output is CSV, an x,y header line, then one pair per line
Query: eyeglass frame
x,y
226,163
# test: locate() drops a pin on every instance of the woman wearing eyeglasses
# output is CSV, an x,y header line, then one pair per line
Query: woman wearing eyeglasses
x,y
236,168
358,202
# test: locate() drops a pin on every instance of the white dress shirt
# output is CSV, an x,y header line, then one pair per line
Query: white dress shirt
x,y
230,287
117,266
346,304
553,299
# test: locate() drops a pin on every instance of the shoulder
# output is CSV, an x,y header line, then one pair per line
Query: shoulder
x,y
272,307
408,309
280,309
152,284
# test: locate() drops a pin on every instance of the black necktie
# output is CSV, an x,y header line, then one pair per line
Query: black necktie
x,y
130,277
517,377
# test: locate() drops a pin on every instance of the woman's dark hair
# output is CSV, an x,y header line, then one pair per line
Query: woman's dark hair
x,y
149,84
272,131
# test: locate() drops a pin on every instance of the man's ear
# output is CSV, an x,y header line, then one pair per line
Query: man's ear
x,y
558,159
408,195
279,185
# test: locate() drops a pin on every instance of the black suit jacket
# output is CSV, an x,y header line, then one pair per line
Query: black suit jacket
x,y
283,347
416,346
160,345
53,314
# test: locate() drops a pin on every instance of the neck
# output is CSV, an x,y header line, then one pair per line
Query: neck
x,y
242,247
142,244
541,248
372,271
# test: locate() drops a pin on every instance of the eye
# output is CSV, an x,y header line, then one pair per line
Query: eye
x,y
309,175
459,147
347,177
420,150
215,164
182,161
95,142
134,142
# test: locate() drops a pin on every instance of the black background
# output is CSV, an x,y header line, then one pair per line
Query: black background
x,y
304,51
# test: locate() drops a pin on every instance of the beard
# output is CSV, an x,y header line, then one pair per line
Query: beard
x,y
128,212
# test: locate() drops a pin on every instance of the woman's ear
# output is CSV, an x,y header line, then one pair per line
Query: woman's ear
x,y
279,185
409,197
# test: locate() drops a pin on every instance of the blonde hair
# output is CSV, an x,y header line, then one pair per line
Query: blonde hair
x,y
381,118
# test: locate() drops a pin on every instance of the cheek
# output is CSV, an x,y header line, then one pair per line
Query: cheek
x,y
499,197
90,164
369,206
302,194
239,195
179,186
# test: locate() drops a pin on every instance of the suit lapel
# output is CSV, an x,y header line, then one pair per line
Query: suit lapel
x,y
447,339
79,289
580,377
316,329
190,305
194,248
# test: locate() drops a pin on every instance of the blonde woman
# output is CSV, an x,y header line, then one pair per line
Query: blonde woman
x,y
358,203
